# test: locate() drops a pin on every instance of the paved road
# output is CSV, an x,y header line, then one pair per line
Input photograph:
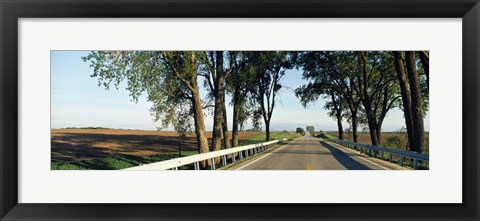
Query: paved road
x,y
310,153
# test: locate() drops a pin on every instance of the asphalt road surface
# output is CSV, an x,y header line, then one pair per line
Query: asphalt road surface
x,y
310,153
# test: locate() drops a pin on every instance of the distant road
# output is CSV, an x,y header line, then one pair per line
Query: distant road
x,y
310,153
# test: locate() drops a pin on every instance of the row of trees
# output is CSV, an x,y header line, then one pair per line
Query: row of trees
x,y
301,131
171,81
361,87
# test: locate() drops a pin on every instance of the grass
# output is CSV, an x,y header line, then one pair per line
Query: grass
x,y
115,163
126,161
277,135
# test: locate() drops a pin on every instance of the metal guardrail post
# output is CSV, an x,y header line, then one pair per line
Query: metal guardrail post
x,y
233,157
240,155
212,164
415,164
401,160
196,165
224,160
390,157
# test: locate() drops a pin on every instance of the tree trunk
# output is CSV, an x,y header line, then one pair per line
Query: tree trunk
x,y
383,114
267,130
372,126
226,137
354,126
406,97
236,115
378,129
425,64
417,110
338,113
339,124
202,142
365,97
219,94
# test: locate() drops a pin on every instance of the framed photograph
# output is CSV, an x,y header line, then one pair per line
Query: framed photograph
x,y
185,110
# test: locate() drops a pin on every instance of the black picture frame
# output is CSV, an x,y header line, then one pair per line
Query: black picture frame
x,y
11,10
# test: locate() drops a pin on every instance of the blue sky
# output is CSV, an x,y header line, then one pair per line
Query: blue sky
x,y
78,101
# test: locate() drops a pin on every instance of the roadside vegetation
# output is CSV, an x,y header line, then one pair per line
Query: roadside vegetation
x,y
116,163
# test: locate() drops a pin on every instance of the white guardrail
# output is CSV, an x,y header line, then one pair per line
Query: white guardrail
x,y
174,164
370,150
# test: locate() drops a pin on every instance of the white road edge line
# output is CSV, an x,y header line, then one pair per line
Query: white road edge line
x,y
266,155
361,157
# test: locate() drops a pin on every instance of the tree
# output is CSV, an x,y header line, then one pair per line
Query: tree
x,y
417,110
331,72
168,78
269,68
312,91
414,104
406,96
349,79
424,59
377,89
300,131
238,84
336,106
310,129
214,74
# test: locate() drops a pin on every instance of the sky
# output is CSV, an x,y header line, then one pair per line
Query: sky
x,y
78,101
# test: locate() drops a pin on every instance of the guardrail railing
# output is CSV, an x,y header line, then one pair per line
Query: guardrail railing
x,y
174,164
370,150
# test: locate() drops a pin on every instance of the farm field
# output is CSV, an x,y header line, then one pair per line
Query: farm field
x,y
116,149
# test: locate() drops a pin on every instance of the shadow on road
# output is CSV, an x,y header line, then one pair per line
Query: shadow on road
x,y
344,158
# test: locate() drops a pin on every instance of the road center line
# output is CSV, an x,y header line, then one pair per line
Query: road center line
x,y
266,155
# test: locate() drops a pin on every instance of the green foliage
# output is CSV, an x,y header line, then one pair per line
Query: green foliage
x,y
310,129
166,77
268,68
360,87
300,130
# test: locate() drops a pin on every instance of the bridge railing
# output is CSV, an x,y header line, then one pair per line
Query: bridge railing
x,y
242,151
371,150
